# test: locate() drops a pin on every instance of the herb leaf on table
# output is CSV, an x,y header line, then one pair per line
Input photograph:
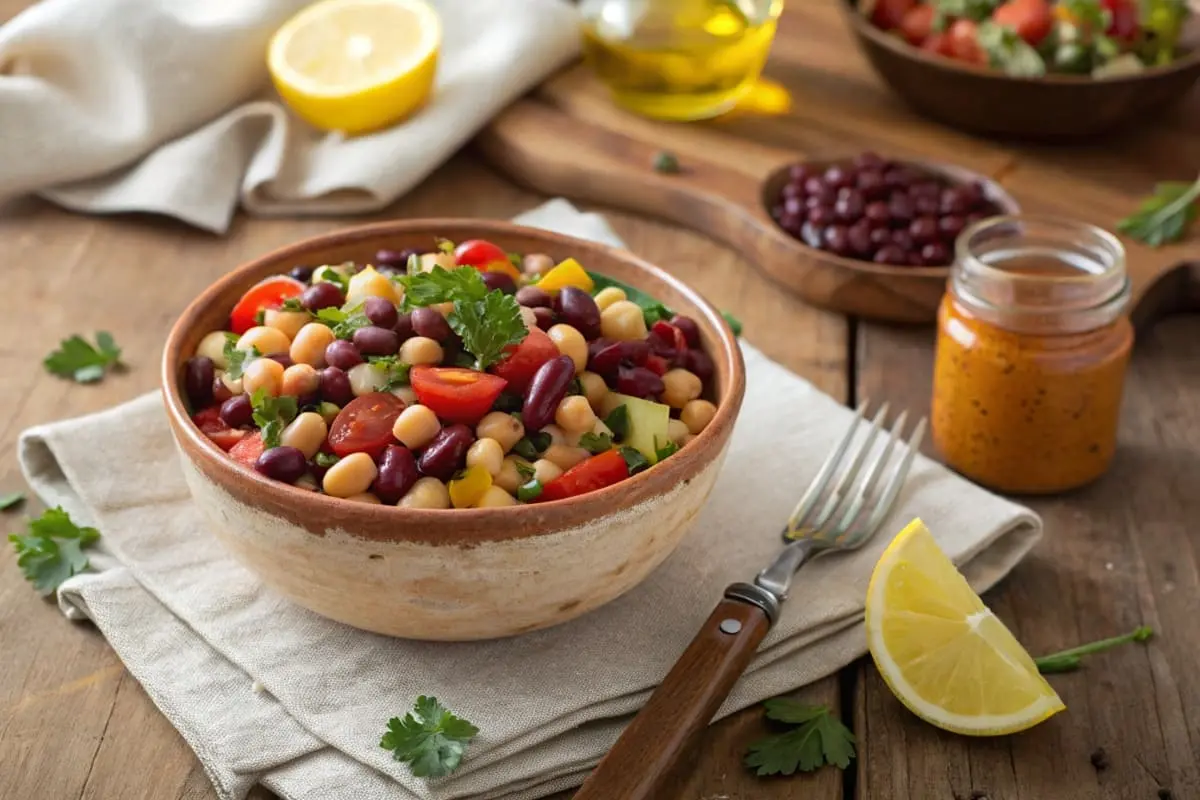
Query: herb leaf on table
x,y
1165,216
52,549
77,359
1070,660
430,739
819,739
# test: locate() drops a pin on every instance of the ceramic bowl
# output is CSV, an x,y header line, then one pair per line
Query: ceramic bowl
x,y
1050,108
454,574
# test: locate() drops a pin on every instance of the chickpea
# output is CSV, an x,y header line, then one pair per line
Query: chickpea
x,y
537,264
406,394
504,428
416,426
371,283
234,385
574,414
306,433
594,389
509,477
426,493
564,456
300,379
488,454
421,350
529,318
265,340
213,346
309,345
697,414
609,295
289,322
680,387
364,497
623,321
495,497
263,373
545,470
431,260
677,431
352,475
366,378
570,342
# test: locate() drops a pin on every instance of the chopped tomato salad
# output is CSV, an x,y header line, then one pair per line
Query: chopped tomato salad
x,y
498,379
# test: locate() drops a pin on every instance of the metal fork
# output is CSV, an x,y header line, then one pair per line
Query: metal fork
x,y
840,510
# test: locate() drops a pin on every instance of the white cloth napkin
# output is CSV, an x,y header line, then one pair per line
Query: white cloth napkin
x,y
166,106
202,634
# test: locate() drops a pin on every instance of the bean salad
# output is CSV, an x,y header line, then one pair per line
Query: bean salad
x,y
461,377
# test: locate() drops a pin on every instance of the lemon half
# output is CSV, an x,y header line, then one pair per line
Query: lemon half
x,y
356,65
942,652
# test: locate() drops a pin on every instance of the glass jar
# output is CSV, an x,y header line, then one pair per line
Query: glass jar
x,y
678,59
1033,342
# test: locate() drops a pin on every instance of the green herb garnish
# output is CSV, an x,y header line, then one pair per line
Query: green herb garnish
x,y
1009,52
529,491
272,414
735,324
488,326
1070,660
236,359
946,10
634,460
344,322
445,246
292,304
668,448
1165,216
524,469
819,738
52,550
532,445
430,739
666,163
75,358
326,460
332,275
11,500
508,402
395,370
652,309
596,443
441,285
617,421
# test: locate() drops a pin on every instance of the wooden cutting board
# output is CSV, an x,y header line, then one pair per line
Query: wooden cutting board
x,y
568,139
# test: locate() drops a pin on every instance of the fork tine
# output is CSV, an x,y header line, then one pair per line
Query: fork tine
x,y
868,484
813,492
846,481
896,480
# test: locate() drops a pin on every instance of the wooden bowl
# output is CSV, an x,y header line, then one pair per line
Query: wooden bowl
x,y
986,101
453,574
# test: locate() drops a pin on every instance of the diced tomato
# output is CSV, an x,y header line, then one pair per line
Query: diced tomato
x,y
587,476
485,257
888,14
657,364
455,394
1031,19
937,43
917,24
1124,24
209,421
963,41
669,333
524,359
269,293
365,424
248,449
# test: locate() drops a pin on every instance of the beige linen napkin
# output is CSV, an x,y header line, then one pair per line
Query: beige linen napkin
x,y
265,691
166,106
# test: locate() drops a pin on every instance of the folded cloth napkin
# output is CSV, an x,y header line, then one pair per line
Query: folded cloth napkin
x,y
166,106
265,691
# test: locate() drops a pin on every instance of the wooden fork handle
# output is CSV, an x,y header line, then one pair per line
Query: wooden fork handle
x,y
665,732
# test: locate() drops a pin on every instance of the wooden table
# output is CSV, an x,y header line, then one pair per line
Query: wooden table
x,y
75,724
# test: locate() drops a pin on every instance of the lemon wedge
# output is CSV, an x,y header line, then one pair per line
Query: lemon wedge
x,y
356,65
942,652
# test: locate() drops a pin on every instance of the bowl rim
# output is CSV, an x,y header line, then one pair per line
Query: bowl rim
x,y
862,25
510,522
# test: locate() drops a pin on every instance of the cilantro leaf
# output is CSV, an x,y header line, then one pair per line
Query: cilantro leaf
x,y
652,309
819,739
237,359
488,326
1165,216
52,550
524,469
1008,51
532,445
617,421
430,739
75,358
333,275
670,447
272,414
529,491
634,460
395,369
326,460
596,443
292,304
8,501
344,322
508,402
441,285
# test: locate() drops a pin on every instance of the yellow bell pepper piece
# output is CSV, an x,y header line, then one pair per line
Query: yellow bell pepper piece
x,y
468,490
568,273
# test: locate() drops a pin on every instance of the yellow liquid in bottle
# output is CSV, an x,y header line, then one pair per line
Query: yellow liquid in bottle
x,y
681,60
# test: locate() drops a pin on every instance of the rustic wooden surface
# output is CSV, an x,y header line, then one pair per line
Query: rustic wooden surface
x,y
75,724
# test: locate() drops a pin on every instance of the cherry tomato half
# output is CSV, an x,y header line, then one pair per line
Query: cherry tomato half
x,y
263,295
587,476
524,359
1031,19
888,14
963,37
248,449
485,257
365,424
1124,23
455,394
917,24
209,421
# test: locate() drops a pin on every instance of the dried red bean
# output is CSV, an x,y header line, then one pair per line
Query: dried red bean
x,y
447,452
548,386
198,375
397,474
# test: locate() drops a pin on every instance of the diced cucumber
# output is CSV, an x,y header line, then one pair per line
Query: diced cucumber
x,y
647,424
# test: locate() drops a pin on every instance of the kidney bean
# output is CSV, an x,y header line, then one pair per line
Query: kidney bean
x,y
397,474
430,322
534,297
699,363
375,341
381,312
548,387
577,308
691,331
446,452
395,258
637,351
198,376
545,317
639,382
404,327
661,345
322,295
604,356
285,464
499,280
301,272
283,358
335,386
342,354
220,392
236,412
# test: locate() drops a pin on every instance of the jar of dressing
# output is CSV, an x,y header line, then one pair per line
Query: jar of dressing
x,y
1032,347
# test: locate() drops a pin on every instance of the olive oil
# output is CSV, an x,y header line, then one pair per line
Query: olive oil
x,y
679,59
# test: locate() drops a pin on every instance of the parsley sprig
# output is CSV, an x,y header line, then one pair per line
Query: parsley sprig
x,y
52,549
344,322
430,739
818,738
1072,659
441,285
596,443
236,359
1165,216
272,414
77,359
395,371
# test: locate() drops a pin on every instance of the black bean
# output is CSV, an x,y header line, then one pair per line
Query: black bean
x,y
577,308
548,386
335,386
533,297
429,322
499,280
301,272
446,453
322,295
283,358
381,312
639,382
404,327
691,331
198,376
544,316
285,464
395,258
397,474
236,412
375,341
220,392
342,354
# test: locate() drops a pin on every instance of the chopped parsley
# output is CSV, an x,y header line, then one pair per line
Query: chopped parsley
x,y
488,326
668,448
617,421
666,162
441,285
734,323
332,275
237,359
52,550
596,443
77,359
634,460
524,469
395,370
272,414
529,491
326,460
344,322
532,445
292,304
430,739
508,402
